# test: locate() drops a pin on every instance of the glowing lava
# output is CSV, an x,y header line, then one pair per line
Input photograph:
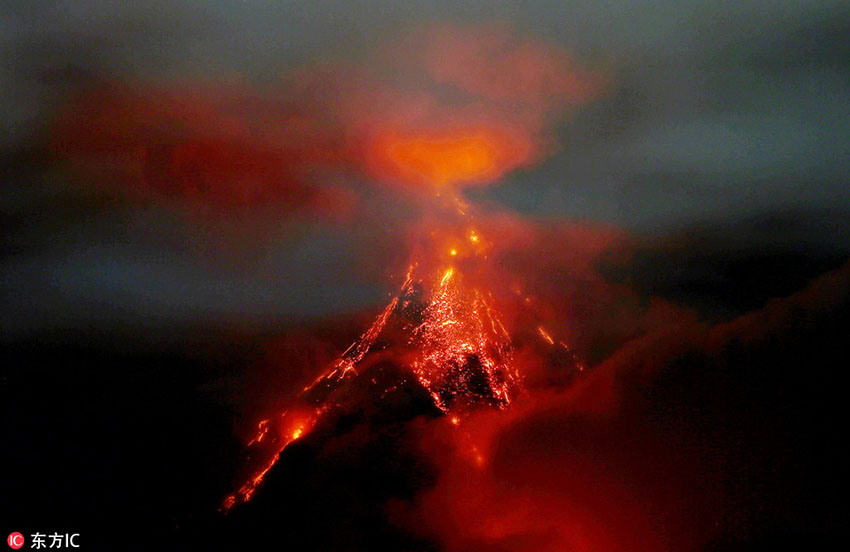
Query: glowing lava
x,y
463,351
291,425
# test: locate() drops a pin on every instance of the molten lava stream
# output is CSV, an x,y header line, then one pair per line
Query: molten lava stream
x,y
292,425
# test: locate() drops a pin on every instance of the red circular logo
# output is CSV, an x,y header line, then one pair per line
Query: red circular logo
x,y
15,540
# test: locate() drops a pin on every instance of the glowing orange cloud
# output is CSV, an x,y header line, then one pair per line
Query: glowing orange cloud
x,y
484,103
448,157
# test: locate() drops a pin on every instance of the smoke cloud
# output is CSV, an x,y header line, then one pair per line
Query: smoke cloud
x,y
448,106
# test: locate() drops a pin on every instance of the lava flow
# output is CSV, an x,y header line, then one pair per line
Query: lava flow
x,y
442,332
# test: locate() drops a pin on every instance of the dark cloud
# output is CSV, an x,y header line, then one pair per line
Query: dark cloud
x,y
727,268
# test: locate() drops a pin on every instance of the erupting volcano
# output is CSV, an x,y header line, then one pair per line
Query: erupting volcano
x,y
306,277
442,332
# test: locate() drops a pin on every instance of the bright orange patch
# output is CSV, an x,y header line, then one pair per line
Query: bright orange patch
x,y
448,157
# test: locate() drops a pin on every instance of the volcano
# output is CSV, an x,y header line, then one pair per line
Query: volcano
x,y
440,347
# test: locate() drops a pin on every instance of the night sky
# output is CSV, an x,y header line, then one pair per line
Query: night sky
x,y
683,214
